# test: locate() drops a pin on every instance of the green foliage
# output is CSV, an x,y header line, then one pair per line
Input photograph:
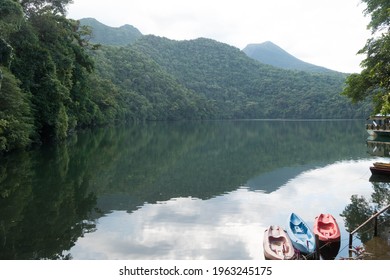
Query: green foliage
x,y
236,86
379,11
38,6
154,94
373,83
16,123
11,16
52,64
5,53
66,83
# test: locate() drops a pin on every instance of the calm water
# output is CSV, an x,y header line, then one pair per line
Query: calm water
x,y
191,190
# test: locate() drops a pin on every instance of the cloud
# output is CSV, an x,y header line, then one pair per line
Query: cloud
x,y
225,227
326,33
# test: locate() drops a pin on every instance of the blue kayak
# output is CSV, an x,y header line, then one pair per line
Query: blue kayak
x,y
300,234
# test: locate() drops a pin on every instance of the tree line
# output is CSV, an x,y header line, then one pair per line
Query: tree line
x,y
44,68
53,80
373,83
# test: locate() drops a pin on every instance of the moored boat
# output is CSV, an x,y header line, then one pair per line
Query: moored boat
x,y
382,164
380,168
328,232
301,235
326,227
277,245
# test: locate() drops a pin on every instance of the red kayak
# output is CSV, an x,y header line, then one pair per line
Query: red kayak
x,y
326,227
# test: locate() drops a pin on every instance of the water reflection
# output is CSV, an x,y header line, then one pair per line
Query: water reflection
x,y
379,146
361,208
224,227
41,215
176,190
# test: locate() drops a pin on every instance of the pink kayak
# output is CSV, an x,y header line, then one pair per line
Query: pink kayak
x,y
277,244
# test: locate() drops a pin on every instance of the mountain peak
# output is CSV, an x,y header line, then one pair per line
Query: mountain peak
x,y
106,35
272,54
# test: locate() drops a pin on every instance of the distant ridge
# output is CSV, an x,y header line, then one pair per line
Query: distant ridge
x,y
114,36
271,54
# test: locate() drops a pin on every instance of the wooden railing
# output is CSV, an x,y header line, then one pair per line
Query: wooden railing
x,y
375,216
378,127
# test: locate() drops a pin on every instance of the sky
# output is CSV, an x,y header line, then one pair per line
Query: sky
x,y
327,33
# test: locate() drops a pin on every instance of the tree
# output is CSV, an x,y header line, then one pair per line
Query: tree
x,y
374,80
34,6
11,16
53,65
16,123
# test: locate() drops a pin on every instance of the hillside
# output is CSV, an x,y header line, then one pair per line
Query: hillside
x,y
52,82
271,54
240,87
114,36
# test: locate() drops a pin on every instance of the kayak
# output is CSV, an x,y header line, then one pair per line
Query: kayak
x,y
301,235
277,244
327,229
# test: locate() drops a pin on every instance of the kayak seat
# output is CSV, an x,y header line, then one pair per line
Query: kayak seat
x,y
298,229
276,240
277,248
326,228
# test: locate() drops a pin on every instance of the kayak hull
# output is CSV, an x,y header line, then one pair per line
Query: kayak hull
x,y
277,244
301,235
328,231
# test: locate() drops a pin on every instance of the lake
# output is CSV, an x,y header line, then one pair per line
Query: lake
x,y
187,190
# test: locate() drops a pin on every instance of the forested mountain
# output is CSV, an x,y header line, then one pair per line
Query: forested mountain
x,y
115,36
239,87
142,89
271,54
54,81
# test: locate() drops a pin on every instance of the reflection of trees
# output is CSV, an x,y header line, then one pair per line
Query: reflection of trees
x,y
43,210
204,159
360,209
49,197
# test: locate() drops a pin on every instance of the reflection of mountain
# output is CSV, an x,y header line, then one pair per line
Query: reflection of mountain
x,y
122,168
272,180
207,159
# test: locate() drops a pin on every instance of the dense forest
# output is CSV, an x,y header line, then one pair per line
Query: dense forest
x,y
237,86
57,77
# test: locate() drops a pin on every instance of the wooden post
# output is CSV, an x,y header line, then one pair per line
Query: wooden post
x,y
350,245
376,226
317,252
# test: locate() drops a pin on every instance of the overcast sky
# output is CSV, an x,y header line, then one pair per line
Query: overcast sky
x,y
327,33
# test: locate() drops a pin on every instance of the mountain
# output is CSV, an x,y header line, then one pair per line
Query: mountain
x,y
271,54
114,36
236,86
156,78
